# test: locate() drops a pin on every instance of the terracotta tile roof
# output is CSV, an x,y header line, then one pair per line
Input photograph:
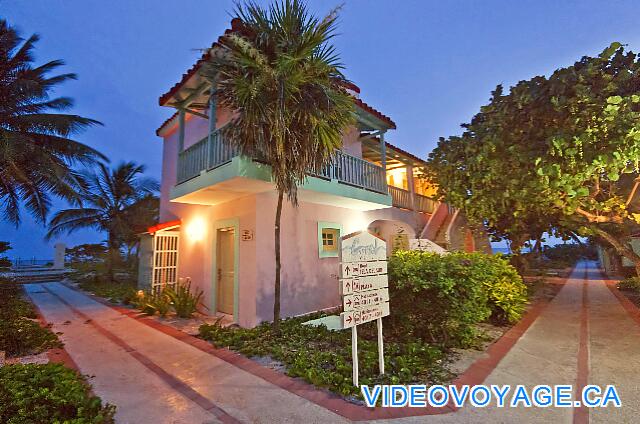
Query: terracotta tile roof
x,y
404,152
375,113
236,25
165,123
185,77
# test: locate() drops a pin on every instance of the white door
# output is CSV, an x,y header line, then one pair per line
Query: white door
x,y
225,263
165,259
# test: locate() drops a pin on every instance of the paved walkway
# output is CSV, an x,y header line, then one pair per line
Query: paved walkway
x,y
584,336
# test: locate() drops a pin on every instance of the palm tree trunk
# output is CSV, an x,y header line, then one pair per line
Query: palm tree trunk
x,y
276,292
111,257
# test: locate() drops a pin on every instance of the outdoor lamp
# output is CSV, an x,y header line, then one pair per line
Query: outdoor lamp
x,y
195,229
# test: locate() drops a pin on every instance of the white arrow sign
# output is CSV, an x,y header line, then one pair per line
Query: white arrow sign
x,y
352,269
360,316
365,299
360,284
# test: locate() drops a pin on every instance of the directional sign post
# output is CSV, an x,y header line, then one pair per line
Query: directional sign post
x,y
364,287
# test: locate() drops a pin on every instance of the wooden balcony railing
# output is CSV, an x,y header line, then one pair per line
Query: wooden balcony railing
x,y
210,153
357,172
206,154
402,199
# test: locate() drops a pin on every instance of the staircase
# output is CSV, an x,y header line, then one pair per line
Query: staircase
x,y
35,274
441,237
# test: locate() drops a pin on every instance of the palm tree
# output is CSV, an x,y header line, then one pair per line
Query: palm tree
x,y
282,76
110,200
36,151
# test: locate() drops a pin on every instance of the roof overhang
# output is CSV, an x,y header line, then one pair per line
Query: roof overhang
x,y
193,91
164,226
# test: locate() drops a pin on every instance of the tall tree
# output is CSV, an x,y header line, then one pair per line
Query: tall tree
x,y
110,201
37,154
282,76
566,147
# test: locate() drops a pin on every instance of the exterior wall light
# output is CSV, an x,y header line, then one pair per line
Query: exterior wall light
x,y
195,229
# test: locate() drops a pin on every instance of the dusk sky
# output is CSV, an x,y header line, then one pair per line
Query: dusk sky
x,y
429,65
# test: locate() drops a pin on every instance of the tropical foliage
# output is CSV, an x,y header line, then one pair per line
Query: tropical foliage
x,y
4,261
440,298
37,151
323,357
554,152
116,201
49,393
20,333
279,72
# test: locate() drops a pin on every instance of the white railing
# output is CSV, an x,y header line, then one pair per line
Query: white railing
x,y
206,154
357,172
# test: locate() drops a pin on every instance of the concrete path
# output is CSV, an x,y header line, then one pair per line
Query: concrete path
x,y
154,378
583,336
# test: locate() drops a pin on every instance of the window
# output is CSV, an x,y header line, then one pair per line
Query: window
x,y
329,239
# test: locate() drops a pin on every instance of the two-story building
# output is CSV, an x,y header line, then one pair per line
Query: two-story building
x,y
217,210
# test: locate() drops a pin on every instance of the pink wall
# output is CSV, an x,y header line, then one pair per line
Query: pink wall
x,y
351,143
309,283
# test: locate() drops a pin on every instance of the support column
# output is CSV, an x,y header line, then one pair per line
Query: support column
x,y
181,118
411,187
180,147
383,153
212,128
383,161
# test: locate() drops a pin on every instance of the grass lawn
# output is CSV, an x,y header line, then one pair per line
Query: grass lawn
x,y
323,357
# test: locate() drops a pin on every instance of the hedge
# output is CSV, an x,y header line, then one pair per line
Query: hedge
x,y
440,298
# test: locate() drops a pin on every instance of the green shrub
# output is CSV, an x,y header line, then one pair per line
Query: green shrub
x,y
630,284
152,302
184,302
323,357
116,292
440,298
48,393
507,294
435,297
20,334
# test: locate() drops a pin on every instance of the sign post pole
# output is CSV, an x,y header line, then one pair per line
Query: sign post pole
x,y
354,354
364,289
380,347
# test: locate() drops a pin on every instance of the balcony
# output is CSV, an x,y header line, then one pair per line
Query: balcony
x,y
206,154
403,199
212,152
211,172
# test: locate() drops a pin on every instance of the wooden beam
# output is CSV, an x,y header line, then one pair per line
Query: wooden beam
x,y
198,91
193,112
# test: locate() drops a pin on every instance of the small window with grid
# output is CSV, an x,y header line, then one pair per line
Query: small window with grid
x,y
328,239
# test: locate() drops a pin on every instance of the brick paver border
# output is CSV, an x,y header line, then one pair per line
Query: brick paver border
x,y
174,382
